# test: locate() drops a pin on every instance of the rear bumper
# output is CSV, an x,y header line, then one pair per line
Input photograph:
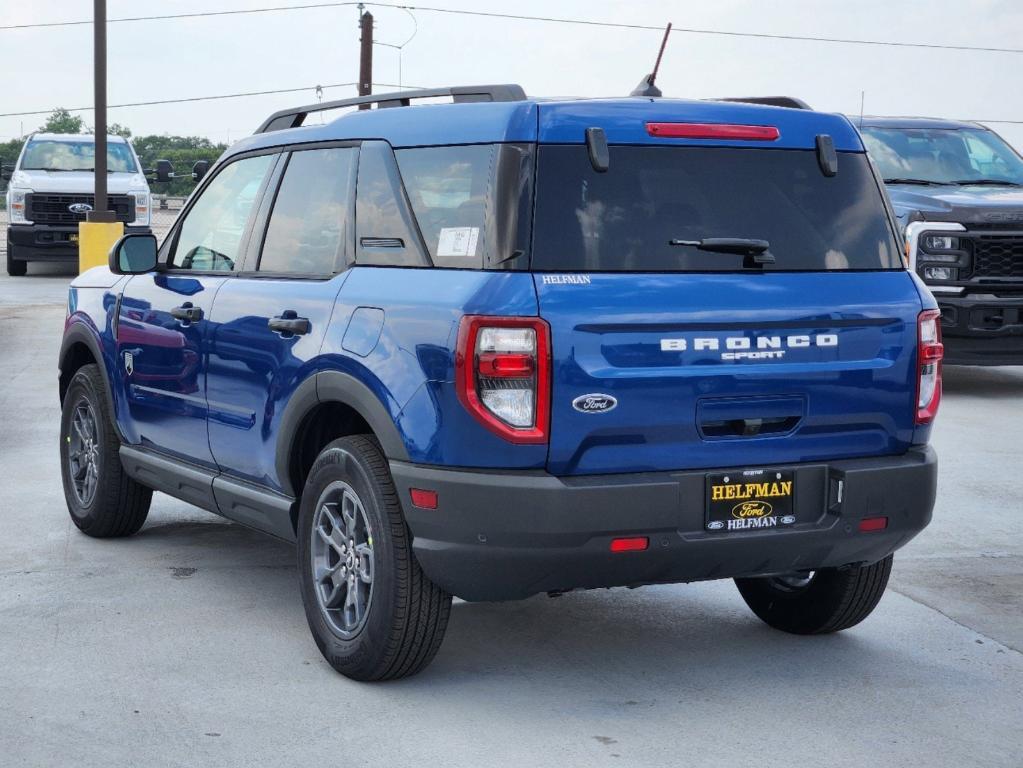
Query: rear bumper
x,y
982,329
47,242
508,535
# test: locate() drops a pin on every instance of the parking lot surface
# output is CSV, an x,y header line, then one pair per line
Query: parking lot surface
x,y
186,645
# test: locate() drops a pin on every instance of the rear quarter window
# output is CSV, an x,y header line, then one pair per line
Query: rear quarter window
x,y
626,218
449,189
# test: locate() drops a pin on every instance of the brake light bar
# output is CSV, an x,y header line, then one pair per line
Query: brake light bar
x,y
713,131
930,352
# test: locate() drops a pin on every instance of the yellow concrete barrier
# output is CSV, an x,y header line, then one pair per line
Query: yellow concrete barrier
x,y
95,239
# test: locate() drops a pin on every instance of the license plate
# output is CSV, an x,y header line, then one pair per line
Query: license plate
x,y
750,500
73,237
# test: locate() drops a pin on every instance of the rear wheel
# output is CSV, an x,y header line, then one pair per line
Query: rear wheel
x,y
15,267
372,611
817,602
103,501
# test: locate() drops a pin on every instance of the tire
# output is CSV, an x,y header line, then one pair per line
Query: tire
x,y
15,267
404,615
113,505
829,600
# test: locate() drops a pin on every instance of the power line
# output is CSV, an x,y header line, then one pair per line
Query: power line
x,y
336,85
196,98
523,17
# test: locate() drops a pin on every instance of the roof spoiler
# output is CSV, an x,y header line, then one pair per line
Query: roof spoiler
x,y
771,101
295,117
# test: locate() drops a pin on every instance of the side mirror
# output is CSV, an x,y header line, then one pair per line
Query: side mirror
x,y
200,169
164,170
133,254
6,171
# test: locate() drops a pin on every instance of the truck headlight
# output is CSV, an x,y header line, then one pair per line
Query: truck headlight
x,y
941,243
17,206
940,273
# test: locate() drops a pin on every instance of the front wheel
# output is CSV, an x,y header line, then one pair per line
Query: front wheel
x,y
817,602
373,612
103,501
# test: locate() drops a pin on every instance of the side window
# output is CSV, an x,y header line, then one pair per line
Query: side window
x,y
211,234
450,192
308,224
386,233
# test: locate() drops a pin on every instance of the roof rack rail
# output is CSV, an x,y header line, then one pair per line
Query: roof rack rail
x,y
294,117
772,101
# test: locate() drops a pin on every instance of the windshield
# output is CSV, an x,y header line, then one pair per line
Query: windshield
x,y
47,155
942,155
663,209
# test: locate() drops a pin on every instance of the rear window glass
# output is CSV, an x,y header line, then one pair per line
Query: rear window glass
x,y
306,232
627,218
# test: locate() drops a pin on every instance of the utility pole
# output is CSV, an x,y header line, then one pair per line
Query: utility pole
x,y
99,210
101,229
365,55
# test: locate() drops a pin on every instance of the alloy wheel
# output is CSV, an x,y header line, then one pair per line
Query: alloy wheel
x,y
342,558
83,452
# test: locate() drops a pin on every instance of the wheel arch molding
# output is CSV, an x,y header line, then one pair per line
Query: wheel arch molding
x,y
323,389
79,336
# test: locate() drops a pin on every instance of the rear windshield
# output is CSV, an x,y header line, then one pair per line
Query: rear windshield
x,y
631,217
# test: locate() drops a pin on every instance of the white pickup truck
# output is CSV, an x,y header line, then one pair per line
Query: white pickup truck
x,y
51,190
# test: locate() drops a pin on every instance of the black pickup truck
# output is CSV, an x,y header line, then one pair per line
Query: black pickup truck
x,y
957,190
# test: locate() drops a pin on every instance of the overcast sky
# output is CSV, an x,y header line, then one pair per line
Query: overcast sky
x,y
152,60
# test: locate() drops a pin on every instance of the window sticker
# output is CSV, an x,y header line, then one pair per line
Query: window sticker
x,y
458,241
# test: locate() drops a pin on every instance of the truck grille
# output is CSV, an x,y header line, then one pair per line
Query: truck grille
x,y
998,256
46,208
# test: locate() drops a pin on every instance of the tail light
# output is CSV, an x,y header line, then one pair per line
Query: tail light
x,y
928,359
502,375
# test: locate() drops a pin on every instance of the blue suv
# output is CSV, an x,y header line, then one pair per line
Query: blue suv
x,y
505,346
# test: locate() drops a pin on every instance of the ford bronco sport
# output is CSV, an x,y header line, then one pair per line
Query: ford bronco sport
x,y
501,347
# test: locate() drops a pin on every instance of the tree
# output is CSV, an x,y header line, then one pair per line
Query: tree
x,y
116,129
62,121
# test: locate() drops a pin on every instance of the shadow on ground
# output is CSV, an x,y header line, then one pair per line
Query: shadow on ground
x,y
983,382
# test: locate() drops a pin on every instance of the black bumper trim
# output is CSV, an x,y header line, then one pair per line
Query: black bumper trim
x,y
507,535
982,329
34,241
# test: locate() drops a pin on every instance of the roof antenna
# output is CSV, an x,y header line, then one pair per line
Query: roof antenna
x,y
646,86
863,98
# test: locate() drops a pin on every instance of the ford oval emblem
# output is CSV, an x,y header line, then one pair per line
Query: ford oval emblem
x,y
79,207
594,403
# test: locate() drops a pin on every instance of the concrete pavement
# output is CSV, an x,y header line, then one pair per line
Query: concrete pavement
x,y
187,646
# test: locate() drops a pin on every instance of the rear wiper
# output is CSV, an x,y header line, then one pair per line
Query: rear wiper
x,y
925,182
755,250
988,182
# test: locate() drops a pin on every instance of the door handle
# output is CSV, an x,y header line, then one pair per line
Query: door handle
x,y
186,313
289,322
